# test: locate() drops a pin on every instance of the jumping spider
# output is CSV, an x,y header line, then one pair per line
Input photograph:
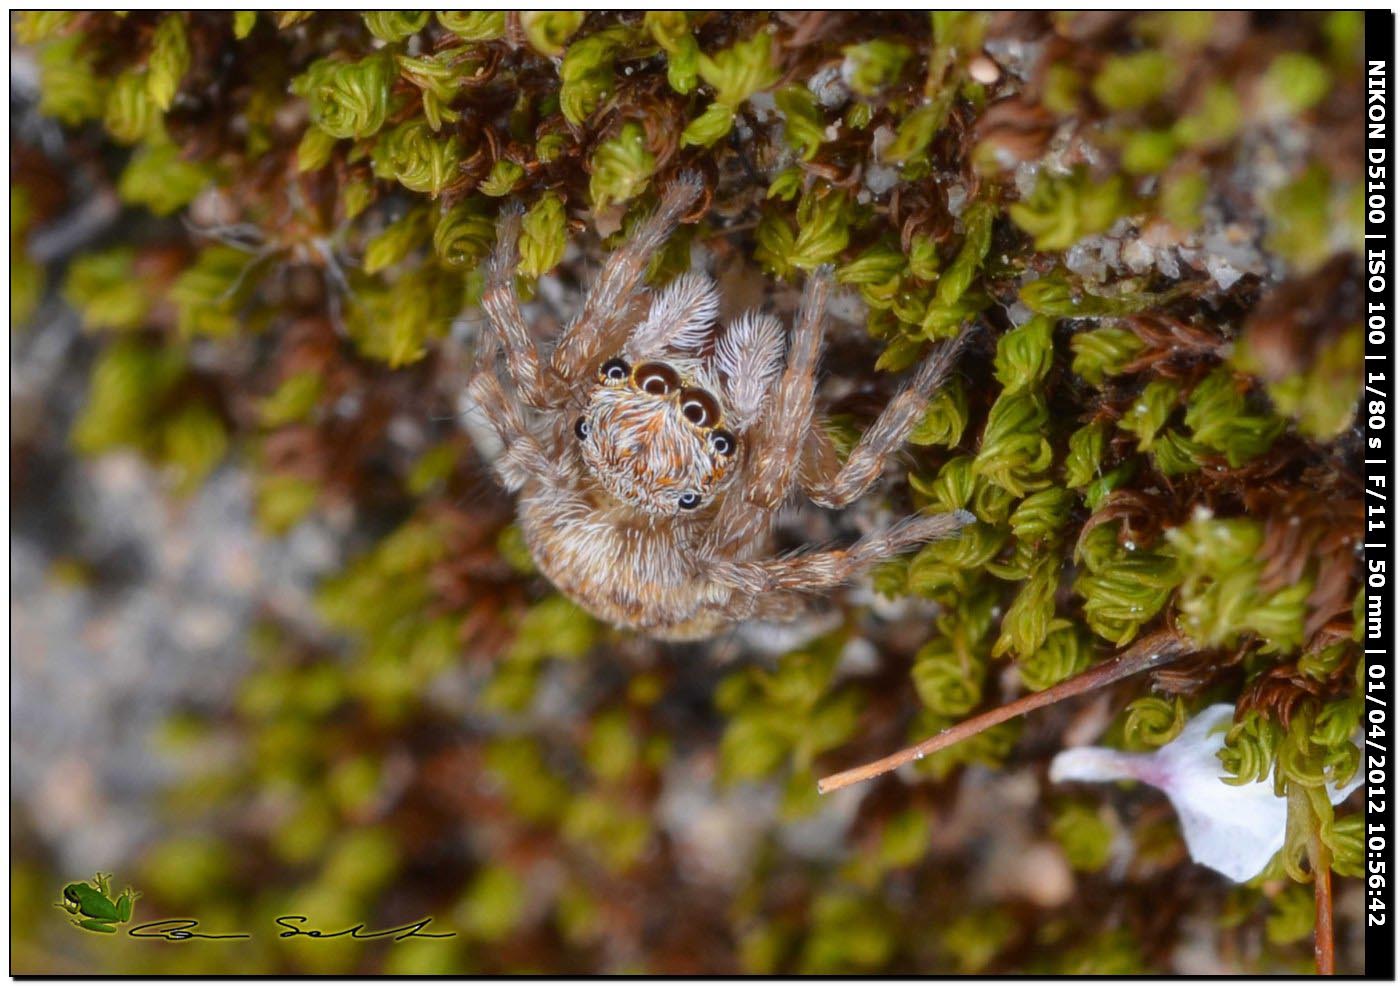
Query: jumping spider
x,y
651,454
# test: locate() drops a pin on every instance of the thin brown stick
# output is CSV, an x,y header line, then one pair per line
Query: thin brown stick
x,y
1150,652
1324,941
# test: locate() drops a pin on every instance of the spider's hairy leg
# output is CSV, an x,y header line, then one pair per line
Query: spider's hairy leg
x,y
776,447
580,346
820,570
836,487
502,307
522,456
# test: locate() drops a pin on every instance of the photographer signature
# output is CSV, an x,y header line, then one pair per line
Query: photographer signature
x,y
182,929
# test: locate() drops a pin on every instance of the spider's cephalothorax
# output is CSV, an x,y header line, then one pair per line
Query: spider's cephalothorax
x,y
653,435
651,455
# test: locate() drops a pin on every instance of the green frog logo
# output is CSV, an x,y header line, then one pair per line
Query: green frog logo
x,y
94,908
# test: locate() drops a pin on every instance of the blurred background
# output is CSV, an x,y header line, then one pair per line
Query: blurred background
x,y
277,647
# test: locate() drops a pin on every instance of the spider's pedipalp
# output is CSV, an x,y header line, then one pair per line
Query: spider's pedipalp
x,y
680,318
749,357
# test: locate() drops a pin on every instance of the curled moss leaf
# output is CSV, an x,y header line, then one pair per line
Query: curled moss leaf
x,y
69,88
1024,354
1053,295
739,71
671,30
948,684
952,290
1026,624
712,124
1180,199
206,295
131,114
1152,722
872,65
1296,80
168,62
1103,352
419,161
1214,120
945,420
1173,454
160,179
1084,834
915,133
544,235
293,400
1085,455
1323,397
805,128
396,241
586,74
549,30
243,23
1122,589
36,26
621,167
1149,412
1063,654
440,76
128,383
823,228
474,25
104,289
1041,516
1130,82
1015,453
1217,414
348,99
395,25
315,149
1063,209
503,177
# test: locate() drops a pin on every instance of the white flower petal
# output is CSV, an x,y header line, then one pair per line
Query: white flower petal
x,y
1233,829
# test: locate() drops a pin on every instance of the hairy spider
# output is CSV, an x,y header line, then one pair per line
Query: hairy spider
x,y
651,452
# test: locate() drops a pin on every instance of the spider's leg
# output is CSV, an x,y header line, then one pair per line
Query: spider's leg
x,y
836,486
523,456
775,444
819,570
502,307
582,344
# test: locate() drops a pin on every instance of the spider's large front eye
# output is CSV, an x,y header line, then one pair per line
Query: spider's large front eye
x,y
581,428
688,501
722,442
657,379
614,371
699,408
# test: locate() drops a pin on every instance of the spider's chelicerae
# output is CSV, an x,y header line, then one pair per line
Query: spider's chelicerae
x,y
651,452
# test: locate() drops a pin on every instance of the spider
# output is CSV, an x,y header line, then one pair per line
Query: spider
x,y
651,452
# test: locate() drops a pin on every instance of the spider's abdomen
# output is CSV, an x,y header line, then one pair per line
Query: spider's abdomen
x,y
629,571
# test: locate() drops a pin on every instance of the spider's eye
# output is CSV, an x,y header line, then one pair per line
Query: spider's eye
x,y
722,442
657,379
688,501
614,371
581,428
699,408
